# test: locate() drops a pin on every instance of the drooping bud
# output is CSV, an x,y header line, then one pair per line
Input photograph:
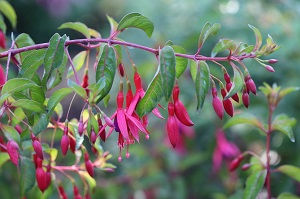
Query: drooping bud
x,y
137,81
217,104
87,196
236,162
2,39
80,127
88,165
121,69
102,131
172,126
37,147
227,78
269,68
250,85
245,98
235,97
12,150
2,77
227,104
18,127
272,61
93,136
72,143
246,166
40,176
64,144
62,192
76,193
48,177
108,121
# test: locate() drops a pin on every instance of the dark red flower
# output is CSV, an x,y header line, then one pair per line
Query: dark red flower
x,y
172,126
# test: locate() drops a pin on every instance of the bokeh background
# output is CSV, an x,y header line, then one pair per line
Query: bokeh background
x,y
155,170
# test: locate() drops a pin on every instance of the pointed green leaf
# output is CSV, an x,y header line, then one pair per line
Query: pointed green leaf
x,y
3,158
30,105
286,91
152,96
113,24
284,124
181,62
238,82
54,56
257,36
3,98
243,118
27,175
243,48
23,40
106,68
222,45
106,100
291,171
56,97
78,62
8,11
94,33
202,82
40,124
97,87
10,132
37,94
254,184
77,26
2,24
31,63
208,30
91,181
18,117
287,196
136,20
167,70
77,88
10,86
52,152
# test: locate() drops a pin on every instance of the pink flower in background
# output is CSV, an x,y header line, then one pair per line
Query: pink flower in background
x,y
2,77
224,151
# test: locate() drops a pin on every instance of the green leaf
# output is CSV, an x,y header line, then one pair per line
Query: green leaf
x,y
40,124
37,94
3,98
19,115
78,89
286,91
254,184
29,105
91,181
136,20
8,11
243,48
284,124
52,152
94,33
10,132
23,40
10,86
181,62
106,68
56,97
208,30
243,118
2,24
78,62
238,82
27,175
222,45
54,55
202,83
3,158
98,87
92,122
31,63
257,36
152,96
287,196
291,171
77,26
106,100
113,24
167,70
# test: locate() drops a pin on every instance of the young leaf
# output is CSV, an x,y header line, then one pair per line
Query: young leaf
x,y
52,152
284,124
91,181
136,20
243,48
8,11
106,68
238,81
208,30
29,105
23,40
56,97
27,175
78,62
222,45
78,89
167,70
2,24
77,26
202,82
97,88
10,132
257,36
181,62
54,56
94,33
113,24
287,196
3,158
244,118
40,124
254,184
151,98
286,91
291,171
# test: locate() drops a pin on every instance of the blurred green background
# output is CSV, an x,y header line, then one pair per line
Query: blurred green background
x,y
154,170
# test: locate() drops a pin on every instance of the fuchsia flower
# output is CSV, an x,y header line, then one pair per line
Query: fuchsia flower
x,y
2,39
172,126
225,150
2,77
65,142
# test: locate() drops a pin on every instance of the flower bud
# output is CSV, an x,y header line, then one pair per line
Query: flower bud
x,y
38,148
250,85
64,144
121,69
80,127
62,192
245,99
172,129
246,166
235,97
182,114
227,78
72,144
88,165
87,196
269,68
76,193
108,121
2,39
93,136
272,61
12,150
2,77
18,127
40,176
217,104
236,162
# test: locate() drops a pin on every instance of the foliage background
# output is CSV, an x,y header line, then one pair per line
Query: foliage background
x,y
154,170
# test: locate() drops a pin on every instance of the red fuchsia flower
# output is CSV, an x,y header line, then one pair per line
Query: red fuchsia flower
x,y
180,110
88,165
172,126
41,178
227,104
224,151
76,193
62,192
235,163
2,77
235,97
217,104
245,98
250,85
13,151
65,142
2,39
37,147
